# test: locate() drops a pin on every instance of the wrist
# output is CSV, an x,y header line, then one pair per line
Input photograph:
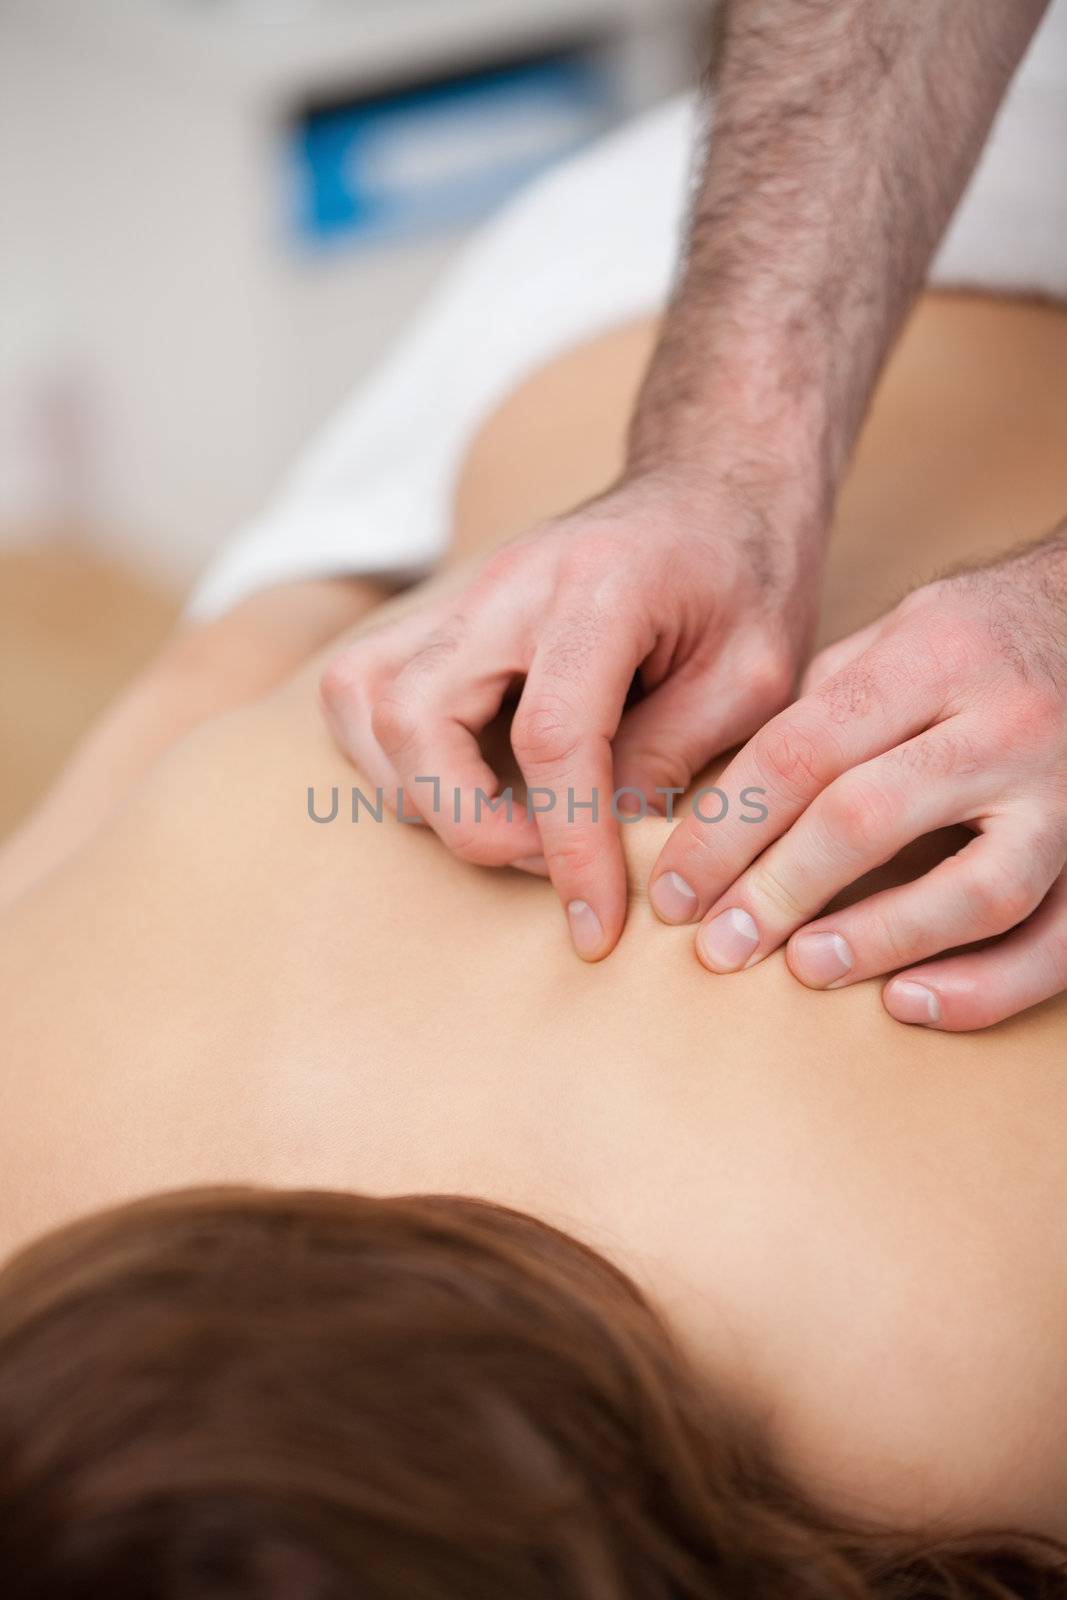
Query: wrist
x,y
772,479
746,421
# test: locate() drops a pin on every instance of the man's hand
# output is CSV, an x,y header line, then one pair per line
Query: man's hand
x,y
704,592
952,709
843,137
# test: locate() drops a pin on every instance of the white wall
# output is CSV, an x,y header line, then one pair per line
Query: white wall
x,y
163,348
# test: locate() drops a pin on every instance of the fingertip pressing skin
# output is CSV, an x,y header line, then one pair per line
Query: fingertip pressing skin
x,y
912,1002
726,942
595,910
672,899
820,959
587,932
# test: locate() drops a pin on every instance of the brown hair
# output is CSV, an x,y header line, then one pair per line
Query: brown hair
x,y
237,1394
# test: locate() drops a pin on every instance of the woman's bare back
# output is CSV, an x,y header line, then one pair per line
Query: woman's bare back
x,y
855,1224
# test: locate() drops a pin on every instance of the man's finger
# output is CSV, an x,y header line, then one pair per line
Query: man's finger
x,y
982,987
357,677
989,887
678,728
562,732
875,703
427,723
346,696
453,789
855,824
837,656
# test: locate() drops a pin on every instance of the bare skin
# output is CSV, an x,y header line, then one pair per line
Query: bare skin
x,y
202,672
844,134
855,1226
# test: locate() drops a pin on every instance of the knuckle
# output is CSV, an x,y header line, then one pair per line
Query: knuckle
x,y
1034,718
510,563
771,678
953,752
893,931
996,899
795,755
696,851
595,583
393,723
943,634
891,939
471,845
437,650
571,860
568,657
956,645
592,556
849,693
542,734
859,813
767,886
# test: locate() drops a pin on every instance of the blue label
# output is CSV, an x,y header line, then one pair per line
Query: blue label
x,y
437,158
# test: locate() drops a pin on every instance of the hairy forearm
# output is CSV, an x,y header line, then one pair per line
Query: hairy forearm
x,y
844,134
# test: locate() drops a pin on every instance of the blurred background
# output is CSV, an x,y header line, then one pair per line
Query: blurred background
x,y
215,216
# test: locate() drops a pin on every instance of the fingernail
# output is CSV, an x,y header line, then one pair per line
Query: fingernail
x,y
727,941
586,931
535,864
912,1002
672,898
819,958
